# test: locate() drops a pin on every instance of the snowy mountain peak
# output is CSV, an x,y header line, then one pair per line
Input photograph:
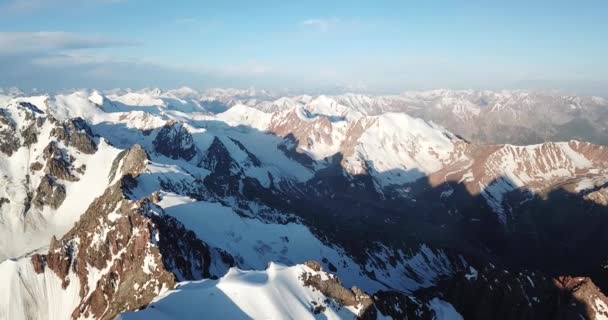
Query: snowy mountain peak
x,y
184,92
96,98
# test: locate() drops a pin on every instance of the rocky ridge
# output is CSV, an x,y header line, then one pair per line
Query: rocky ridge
x,y
135,250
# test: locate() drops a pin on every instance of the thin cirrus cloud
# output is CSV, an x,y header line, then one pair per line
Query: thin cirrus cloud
x,y
74,58
321,24
59,49
35,59
45,41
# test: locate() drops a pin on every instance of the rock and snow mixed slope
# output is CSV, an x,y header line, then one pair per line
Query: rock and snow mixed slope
x,y
273,293
136,191
517,117
51,170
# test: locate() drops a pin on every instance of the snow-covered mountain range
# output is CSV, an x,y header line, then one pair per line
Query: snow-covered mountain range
x,y
515,117
171,204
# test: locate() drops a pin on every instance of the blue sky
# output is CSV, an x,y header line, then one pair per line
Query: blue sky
x,y
376,46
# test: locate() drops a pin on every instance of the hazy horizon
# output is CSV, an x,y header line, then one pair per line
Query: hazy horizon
x,y
284,92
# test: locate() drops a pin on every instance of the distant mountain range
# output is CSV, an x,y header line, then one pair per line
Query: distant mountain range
x,y
157,204
488,117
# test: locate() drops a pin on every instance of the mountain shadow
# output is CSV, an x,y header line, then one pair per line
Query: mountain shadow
x,y
556,233
191,301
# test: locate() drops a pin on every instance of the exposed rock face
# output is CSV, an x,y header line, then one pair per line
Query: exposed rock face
x,y
290,149
184,254
580,297
599,196
39,262
303,126
498,294
75,133
401,306
36,166
226,173
132,161
125,252
392,304
135,161
137,250
3,201
303,131
516,117
30,133
9,141
58,163
175,142
125,247
49,192
333,288
491,293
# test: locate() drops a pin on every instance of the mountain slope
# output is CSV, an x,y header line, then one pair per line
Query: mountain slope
x,y
139,191
272,294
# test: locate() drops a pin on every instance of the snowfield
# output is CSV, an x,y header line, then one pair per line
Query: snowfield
x,y
274,293
253,242
25,295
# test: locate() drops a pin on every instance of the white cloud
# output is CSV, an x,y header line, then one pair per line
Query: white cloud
x,y
79,58
58,49
45,41
322,25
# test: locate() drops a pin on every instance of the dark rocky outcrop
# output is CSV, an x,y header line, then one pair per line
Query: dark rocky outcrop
x,y
498,294
132,161
49,192
58,163
174,141
333,288
493,293
31,111
183,253
141,250
75,133
398,305
36,166
289,147
32,118
579,296
30,132
225,174
4,201
39,262
9,141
